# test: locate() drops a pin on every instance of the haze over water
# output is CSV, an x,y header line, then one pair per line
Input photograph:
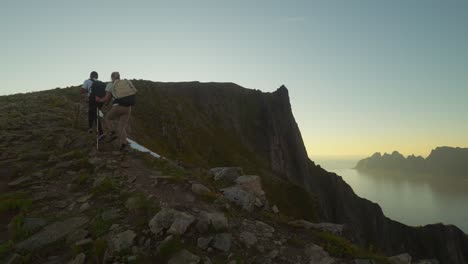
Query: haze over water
x,y
407,198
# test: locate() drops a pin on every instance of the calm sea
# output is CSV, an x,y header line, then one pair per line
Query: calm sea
x,y
410,199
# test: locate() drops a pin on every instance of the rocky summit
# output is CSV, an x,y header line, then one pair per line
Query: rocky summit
x,y
233,184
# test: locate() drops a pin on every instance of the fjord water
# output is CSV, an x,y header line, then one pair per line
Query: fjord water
x,y
411,199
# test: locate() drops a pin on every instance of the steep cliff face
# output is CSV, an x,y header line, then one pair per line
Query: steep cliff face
x,y
215,124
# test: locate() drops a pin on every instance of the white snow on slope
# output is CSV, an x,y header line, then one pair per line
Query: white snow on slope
x,y
134,145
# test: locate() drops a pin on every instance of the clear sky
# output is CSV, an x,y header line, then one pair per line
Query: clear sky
x,y
363,75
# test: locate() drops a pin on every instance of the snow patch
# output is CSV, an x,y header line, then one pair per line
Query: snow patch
x,y
134,145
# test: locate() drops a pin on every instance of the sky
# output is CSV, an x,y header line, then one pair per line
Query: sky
x,y
364,76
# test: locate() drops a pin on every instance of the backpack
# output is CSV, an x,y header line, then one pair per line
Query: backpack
x,y
97,89
124,93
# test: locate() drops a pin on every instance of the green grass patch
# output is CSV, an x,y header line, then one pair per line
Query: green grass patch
x,y
5,248
105,186
340,247
14,201
168,249
82,178
99,249
291,199
141,210
99,226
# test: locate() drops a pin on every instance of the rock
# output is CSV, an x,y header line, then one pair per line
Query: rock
x,y
240,197
84,207
131,178
250,184
363,261
200,189
317,255
217,220
428,261
330,227
181,223
207,260
110,214
14,259
161,221
61,204
19,181
131,259
176,222
275,209
121,241
228,174
222,242
204,242
400,259
84,198
272,254
248,239
184,257
29,224
52,233
79,259
77,235
264,228
203,223
84,242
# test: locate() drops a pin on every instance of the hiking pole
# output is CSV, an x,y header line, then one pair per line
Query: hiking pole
x,y
97,128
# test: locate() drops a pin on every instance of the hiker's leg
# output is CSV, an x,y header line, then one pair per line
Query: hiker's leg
x,y
99,106
91,113
123,123
111,115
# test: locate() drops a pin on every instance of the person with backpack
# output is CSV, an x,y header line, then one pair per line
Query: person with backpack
x,y
93,87
123,93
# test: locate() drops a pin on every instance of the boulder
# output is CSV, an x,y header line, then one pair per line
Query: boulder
x,y
227,174
248,239
121,241
217,220
200,189
317,255
250,184
173,221
363,261
204,242
428,261
240,197
79,259
162,221
184,257
404,258
77,235
222,242
181,223
52,233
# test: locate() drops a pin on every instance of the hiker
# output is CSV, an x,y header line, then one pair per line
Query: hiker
x,y
123,94
93,87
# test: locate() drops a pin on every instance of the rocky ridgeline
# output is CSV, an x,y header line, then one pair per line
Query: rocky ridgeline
x,y
62,201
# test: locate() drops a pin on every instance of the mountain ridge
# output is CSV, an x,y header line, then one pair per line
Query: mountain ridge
x,y
442,161
211,125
